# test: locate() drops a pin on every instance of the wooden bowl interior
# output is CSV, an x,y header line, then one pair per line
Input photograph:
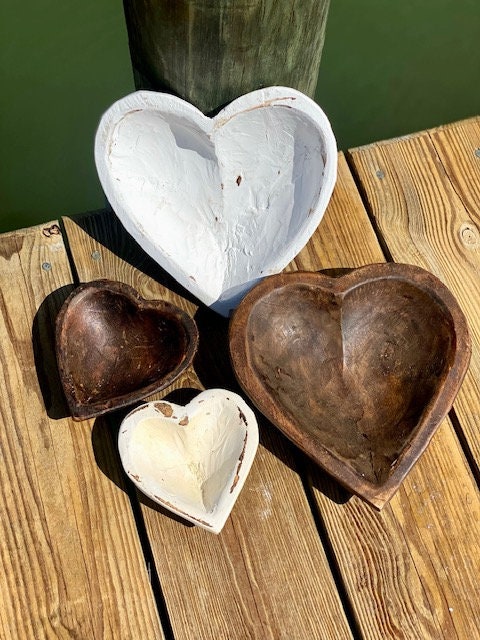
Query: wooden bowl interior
x,y
355,370
112,345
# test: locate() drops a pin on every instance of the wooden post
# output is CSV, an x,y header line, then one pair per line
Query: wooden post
x,y
211,51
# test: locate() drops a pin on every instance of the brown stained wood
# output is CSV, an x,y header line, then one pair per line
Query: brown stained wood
x,y
61,517
357,370
212,52
115,348
101,249
426,207
393,563
234,585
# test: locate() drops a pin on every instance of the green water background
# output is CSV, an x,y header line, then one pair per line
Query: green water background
x,y
388,68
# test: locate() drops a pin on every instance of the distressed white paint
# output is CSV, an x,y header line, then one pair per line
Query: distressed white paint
x,y
192,460
219,203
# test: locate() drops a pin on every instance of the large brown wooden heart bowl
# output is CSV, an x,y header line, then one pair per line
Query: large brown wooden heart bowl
x,y
358,371
115,348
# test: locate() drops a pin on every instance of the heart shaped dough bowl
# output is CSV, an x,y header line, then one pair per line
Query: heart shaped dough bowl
x,y
192,460
358,371
115,348
218,202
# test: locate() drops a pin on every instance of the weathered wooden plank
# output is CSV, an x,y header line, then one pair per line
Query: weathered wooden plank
x,y
424,193
72,564
411,570
266,574
212,52
458,149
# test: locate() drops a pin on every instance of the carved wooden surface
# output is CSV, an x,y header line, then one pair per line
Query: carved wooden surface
x,y
84,555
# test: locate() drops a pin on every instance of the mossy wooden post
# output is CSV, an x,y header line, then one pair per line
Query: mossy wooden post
x,y
211,51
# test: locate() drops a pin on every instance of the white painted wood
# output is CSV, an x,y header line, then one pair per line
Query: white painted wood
x,y
192,460
219,203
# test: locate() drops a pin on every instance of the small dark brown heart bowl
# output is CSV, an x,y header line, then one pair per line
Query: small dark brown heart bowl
x,y
115,348
358,371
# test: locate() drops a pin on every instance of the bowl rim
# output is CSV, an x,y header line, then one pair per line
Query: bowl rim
x,y
436,409
84,410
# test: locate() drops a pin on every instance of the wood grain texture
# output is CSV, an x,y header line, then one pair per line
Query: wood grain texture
x,y
266,574
426,207
59,514
212,52
345,238
411,570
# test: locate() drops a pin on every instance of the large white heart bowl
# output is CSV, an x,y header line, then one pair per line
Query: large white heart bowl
x,y
218,202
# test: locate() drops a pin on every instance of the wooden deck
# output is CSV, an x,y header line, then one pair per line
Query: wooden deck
x,y
84,556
